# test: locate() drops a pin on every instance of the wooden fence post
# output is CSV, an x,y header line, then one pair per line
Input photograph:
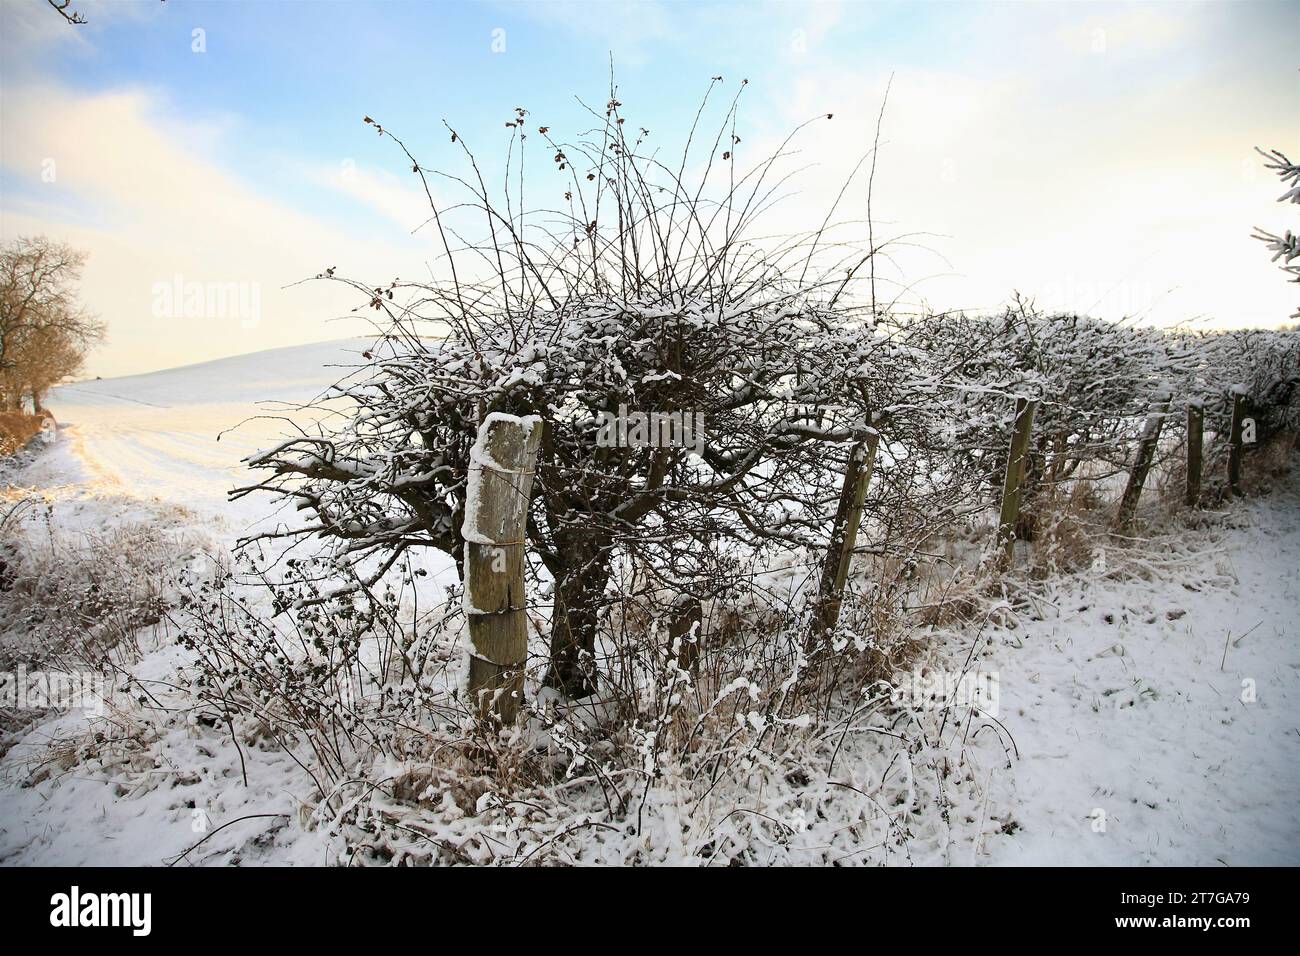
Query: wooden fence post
x,y
1142,460
497,496
1195,440
1015,476
844,533
1234,442
686,631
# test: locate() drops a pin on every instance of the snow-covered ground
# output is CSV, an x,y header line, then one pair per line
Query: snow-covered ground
x,y
1153,700
1158,717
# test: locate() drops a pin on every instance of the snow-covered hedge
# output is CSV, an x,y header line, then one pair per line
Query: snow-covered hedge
x,y
646,294
1095,382
1263,365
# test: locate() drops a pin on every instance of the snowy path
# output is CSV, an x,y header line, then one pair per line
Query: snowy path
x,y
176,438
1128,714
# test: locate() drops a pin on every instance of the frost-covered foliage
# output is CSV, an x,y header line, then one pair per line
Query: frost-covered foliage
x,y
1285,247
83,599
1260,364
1094,381
80,599
361,691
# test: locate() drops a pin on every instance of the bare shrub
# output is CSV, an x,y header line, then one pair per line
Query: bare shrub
x,y
82,600
17,429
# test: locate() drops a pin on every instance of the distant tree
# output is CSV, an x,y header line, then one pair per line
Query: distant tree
x,y
46,357
44,330
1285,247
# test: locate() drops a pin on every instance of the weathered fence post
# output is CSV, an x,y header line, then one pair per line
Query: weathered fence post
x,y
497,495
1234,441
1142,460
686,631
844,533
1195,439
1011,485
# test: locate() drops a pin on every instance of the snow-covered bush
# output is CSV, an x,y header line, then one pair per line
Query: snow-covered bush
x,y
645,294
81,600
331,684
1094,381
362,692
1262,364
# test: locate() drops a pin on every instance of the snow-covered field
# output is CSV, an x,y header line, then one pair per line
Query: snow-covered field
x,y
178,435
1153,700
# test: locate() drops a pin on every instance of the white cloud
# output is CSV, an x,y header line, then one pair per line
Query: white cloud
x,y
147,206
399,201
1136,201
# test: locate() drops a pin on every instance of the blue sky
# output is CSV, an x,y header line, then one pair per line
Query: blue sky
x,y
1095,155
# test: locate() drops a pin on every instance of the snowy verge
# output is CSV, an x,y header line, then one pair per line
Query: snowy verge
x,y
1155,701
